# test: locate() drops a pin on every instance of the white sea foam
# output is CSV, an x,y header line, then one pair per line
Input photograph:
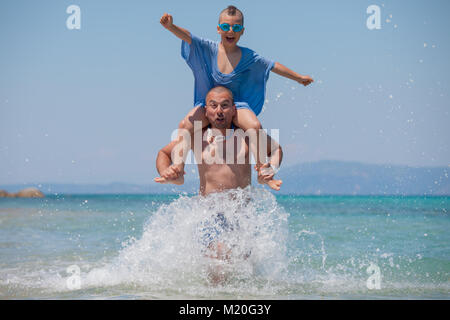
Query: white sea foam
x,y
269,259
172,251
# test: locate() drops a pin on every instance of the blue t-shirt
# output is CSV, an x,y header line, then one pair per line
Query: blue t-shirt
x,y
247,81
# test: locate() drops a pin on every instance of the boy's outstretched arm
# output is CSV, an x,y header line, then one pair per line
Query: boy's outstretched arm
x,y
288,73
183,34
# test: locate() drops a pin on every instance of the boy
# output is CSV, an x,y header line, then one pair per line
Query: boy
x,y
240,69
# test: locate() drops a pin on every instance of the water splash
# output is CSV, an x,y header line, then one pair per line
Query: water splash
x,y
313,255
172,252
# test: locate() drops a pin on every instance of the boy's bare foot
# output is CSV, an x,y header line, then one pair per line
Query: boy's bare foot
x,y
275,184
179,181
172,174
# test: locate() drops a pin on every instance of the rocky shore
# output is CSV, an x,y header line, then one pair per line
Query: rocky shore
x,y
25,193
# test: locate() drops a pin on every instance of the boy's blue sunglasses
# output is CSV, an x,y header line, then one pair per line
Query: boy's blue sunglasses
x,y
226,27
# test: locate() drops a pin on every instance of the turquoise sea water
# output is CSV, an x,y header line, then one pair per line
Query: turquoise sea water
x,y
301,247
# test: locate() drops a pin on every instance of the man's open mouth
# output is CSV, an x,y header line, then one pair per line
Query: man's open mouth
x,y
230,39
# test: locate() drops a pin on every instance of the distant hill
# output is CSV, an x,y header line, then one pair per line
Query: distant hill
x,y
354,178
323,177
190,186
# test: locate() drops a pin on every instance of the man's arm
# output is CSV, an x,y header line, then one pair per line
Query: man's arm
x,y
183,34
274,152
168,172
275,155
288,73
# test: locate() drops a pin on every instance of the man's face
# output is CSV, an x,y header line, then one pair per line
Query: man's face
x,y
230,37
220,109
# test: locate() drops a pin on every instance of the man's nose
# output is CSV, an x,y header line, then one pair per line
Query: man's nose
x,y
219,111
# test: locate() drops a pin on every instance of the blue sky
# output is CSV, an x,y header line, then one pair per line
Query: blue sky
x,y
95,105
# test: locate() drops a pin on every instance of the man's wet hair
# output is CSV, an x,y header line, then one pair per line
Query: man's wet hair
x,y
220,89
232,11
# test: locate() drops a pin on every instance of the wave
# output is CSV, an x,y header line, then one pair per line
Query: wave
x,y
174,251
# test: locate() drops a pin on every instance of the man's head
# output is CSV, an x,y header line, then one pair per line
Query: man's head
x,y
231,16
220,108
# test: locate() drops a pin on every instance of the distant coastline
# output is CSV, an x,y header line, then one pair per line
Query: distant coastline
x,y
24,193
326,177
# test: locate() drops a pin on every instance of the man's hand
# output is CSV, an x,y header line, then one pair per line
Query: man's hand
x,y
265,176
166,21
305,80
265,173
172,174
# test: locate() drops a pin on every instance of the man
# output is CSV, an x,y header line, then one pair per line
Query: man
x,y
222,174
223,164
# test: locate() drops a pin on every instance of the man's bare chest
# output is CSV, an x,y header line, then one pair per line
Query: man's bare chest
x,y
233,151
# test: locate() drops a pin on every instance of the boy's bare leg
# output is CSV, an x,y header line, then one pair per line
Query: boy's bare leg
x,y
187,125
196,114
247,121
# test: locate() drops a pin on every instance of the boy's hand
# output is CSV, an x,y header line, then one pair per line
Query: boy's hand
x,y
166,21
305,80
